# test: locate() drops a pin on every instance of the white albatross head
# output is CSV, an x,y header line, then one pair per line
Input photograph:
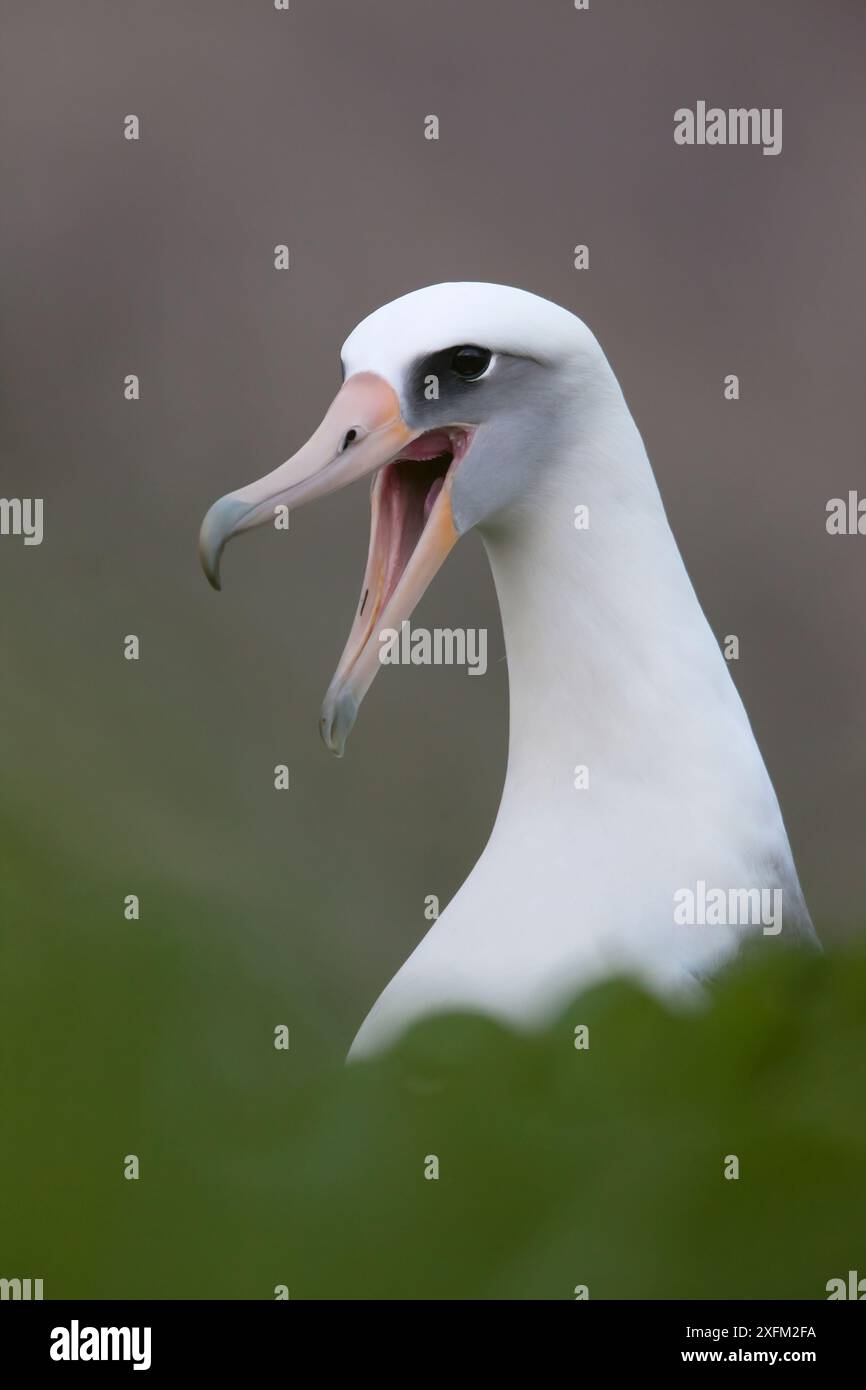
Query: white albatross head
x,y
453,396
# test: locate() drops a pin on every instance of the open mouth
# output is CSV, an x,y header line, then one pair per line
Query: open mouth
x,y
412,528
404,496
411,532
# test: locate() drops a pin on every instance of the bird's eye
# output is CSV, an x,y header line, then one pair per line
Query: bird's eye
x,y
470,362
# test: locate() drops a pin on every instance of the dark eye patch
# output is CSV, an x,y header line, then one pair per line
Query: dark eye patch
x,y
445,366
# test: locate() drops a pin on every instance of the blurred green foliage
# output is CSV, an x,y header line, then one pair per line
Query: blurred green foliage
x,y
557,1166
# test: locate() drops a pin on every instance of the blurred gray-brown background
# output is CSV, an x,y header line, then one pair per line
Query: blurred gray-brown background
x,y
156,258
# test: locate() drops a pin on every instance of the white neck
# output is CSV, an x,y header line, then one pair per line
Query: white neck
x,y
612,664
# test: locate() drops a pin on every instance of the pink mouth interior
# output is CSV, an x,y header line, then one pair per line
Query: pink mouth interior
x,y
406,490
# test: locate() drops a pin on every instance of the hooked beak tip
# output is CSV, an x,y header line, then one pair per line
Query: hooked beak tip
x,y
209,552
339,713
212,574
220,524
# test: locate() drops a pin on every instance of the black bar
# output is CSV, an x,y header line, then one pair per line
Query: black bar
x,y
222,1338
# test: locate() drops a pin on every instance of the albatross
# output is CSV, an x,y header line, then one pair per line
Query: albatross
x,y
483,407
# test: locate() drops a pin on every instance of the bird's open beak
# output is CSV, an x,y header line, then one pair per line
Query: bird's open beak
x,y
412,527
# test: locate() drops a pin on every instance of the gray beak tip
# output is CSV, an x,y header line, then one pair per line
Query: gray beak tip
x,y
338,717
220,524
210,563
